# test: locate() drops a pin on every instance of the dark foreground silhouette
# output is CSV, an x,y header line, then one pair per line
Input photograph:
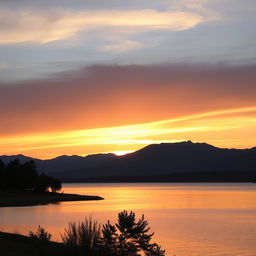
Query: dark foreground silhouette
x,y
27,198
21,185
18,245
128,237
24,177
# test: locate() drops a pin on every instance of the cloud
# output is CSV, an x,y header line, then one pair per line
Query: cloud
x,y
58,24
122,46
102,96
137,105
3,65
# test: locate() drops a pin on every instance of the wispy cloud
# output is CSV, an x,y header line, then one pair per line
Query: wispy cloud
x,y
122,46
3,65
57,24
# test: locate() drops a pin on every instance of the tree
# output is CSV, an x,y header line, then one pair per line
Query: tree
x,y
110,237
130,238
29,175
55,185
18,176
13,174
43,183
2,165
2,174
41,234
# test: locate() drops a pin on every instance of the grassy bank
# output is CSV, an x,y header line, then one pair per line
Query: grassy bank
x,y
31,199
13,245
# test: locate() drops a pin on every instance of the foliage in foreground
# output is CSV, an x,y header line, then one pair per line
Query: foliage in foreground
x,y
86,235
19,245
41,234
127,237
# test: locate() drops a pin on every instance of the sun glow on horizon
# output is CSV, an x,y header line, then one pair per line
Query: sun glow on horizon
x,y
210,127
122,152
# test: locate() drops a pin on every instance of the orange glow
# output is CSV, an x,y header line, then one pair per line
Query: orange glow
x,y
170,210
212,127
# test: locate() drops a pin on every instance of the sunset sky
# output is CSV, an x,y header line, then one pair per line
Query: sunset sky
x,y
90,76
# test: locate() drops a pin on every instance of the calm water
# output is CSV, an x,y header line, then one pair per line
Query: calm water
x,y
188,219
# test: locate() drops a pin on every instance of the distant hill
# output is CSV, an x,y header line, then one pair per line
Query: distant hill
x,y
184,161
22,158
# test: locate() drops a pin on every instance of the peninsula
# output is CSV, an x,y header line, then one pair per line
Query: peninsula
x,y
21,185
14,199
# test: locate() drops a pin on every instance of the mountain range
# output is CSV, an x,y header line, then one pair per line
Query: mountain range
x,y
165,162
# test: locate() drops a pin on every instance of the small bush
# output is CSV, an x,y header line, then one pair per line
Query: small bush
x,y
41,234
86,235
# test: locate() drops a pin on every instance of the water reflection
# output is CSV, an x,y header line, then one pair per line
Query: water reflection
x,y
188,219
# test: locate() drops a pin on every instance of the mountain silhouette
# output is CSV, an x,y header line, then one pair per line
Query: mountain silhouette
x,y
183,161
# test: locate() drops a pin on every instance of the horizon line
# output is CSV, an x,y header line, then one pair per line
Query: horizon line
x,y
128,151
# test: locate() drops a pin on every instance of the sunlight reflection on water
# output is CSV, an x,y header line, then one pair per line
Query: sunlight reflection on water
x,y
188,219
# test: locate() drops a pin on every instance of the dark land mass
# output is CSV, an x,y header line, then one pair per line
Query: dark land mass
x,y
14,244
10,198
166,162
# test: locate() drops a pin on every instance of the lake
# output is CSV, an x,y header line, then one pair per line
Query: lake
x,y
188,219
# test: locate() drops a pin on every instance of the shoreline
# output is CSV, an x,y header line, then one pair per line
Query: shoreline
x,y
20,199
12,244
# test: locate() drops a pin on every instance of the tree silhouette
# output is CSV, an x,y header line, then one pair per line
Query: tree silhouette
x,y
18,176
29,175
130,238
43,183
41,234
55,185
13,174
2,178
2,165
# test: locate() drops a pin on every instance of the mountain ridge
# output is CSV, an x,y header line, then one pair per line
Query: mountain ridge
x,y
165,161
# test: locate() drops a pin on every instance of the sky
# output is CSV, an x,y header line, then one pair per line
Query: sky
x,y
89,76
